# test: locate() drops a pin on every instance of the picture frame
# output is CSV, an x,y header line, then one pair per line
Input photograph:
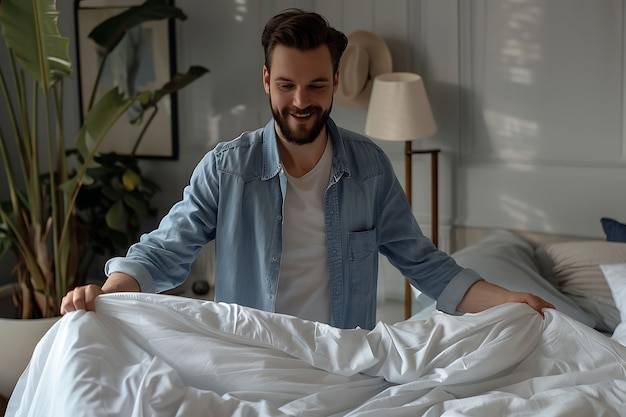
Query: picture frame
x,y
144,60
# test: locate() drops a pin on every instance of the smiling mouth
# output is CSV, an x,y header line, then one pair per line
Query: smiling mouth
x,y
302,115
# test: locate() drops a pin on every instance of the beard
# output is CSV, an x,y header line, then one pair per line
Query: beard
x,y
301,135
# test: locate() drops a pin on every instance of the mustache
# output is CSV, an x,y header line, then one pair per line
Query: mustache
x,y
309,109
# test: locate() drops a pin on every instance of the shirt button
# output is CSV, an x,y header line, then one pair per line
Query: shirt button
x,y
279,217
269,296
274,258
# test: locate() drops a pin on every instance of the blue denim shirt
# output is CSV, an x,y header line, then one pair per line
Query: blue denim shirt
x,y
236,195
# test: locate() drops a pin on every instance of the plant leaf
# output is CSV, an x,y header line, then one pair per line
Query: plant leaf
x,y
138,205
131,180
30,29
110,32
116,217
104,114
179,81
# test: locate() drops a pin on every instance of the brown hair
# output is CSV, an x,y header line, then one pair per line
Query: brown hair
x,y
303,30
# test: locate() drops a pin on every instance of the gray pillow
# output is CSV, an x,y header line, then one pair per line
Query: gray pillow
x,y
508,260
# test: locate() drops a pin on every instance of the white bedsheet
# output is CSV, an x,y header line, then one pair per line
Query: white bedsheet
x,y
156,355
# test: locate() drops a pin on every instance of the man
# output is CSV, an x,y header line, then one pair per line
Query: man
x,y
299,209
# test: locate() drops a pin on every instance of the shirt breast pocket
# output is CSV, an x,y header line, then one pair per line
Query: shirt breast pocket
x,y
363,261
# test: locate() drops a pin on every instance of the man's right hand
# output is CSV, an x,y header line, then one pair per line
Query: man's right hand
x,y
81,298
84,297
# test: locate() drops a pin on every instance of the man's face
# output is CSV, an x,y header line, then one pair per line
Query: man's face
x,y
301,87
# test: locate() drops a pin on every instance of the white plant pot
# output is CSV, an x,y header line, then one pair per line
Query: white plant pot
x,y
18,339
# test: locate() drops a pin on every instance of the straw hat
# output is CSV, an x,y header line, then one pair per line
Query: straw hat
x,y
365,57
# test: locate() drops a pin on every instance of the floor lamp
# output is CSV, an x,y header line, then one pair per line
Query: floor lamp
x,y
399,111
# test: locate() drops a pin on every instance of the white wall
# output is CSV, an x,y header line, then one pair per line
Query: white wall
x,y
542,140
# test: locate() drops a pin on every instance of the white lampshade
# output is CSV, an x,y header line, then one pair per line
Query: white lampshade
x,y
399,109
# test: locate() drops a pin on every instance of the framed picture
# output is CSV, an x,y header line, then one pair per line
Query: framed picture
x,y
143,60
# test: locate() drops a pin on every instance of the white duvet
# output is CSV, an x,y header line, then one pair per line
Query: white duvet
x,y
156,355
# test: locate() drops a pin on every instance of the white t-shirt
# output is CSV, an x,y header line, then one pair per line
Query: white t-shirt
x,y
303,279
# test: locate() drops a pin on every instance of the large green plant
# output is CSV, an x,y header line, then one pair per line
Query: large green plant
x,y
38,221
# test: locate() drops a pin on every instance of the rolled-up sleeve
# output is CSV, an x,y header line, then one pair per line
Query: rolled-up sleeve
x,y
453,293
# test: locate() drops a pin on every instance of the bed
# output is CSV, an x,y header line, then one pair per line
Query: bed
x,y
162,355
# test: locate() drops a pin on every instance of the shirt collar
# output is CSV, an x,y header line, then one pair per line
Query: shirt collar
x,y
271,157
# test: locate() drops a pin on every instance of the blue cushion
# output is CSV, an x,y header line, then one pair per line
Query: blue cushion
x,y
614,230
